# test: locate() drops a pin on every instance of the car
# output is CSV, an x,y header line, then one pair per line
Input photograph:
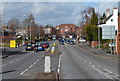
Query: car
x,y
29,47
82,40
72,42
45,45
68,41
41,48
61,42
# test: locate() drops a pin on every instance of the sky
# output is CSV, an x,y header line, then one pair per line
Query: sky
x,y
53,13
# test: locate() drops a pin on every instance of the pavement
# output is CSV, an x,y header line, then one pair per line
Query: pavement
x,y
98,52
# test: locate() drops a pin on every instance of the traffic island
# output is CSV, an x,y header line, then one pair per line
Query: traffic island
x,y
46,77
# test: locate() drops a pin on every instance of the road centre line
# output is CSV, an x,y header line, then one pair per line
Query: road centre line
x,y
58,71
22,73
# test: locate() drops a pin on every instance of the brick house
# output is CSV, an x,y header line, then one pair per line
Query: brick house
x,y
66,30
118,38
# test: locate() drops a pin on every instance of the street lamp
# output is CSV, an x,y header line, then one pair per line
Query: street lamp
x,y
23,33
30,30
98,28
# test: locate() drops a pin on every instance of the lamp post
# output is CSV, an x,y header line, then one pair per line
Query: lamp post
x,y
98,28
30,30
23,42
2,22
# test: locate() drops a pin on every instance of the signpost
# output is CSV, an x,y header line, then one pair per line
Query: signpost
x,y
108,32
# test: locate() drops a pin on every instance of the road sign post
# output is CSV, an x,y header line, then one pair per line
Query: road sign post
x,y
108,32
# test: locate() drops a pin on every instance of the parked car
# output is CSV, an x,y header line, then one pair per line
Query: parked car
x,y
45,45
82,40
72,42
68,41
61,42
41,48
29,47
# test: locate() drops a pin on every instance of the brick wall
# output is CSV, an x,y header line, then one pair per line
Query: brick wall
x,y
118,38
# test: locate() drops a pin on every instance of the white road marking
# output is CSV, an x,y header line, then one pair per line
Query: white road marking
x,y
22,73
12,62
4,65
58,71
98,68
30,66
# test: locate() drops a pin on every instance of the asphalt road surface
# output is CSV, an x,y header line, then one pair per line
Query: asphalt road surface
x,y
73,63
78,64
26,64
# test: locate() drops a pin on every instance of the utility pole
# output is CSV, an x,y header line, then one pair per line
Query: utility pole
x,y
98,28
30,30
23,34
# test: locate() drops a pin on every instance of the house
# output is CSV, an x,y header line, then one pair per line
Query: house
x,y
111,20
6,35
118,38
66,30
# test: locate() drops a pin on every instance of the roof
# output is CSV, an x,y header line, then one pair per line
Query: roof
x,y
105,20
65,25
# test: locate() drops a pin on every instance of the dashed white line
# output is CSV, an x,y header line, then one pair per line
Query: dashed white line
x,y
30,66
22,73
4,65
98,69
12,62
58,71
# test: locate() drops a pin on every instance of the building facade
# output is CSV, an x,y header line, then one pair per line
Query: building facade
x,y
66,30
118,38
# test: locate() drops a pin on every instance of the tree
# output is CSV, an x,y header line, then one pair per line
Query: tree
x,y
94,19
88,31
13,24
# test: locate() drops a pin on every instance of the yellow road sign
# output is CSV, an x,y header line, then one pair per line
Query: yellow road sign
x,y
12,43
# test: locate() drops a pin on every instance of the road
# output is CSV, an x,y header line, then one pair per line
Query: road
x,y
26,65
79,64
73,63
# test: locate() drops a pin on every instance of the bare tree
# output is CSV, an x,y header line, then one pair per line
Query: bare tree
x,y
13,24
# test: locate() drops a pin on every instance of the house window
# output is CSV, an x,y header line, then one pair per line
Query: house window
x,y
111,20
66,30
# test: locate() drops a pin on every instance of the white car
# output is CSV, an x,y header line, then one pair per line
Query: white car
x,y
82,40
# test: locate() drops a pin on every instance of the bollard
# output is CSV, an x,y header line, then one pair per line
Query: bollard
x,y
47,65
52,49
54,44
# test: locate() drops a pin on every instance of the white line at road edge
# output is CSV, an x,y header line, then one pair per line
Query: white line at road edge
x,y
22,73
59,64
95,67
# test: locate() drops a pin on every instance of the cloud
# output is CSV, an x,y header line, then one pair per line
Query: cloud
x,y
59,0
52,12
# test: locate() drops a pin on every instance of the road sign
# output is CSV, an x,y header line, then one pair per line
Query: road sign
x,y
108,32
111,45
12,43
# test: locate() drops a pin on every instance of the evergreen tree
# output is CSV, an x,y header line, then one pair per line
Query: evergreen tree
x,y
94,19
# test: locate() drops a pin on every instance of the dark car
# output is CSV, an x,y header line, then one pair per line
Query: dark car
x,y
68,41
61,42
29,47
72,42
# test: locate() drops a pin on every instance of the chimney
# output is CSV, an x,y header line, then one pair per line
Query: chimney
x,y
107,13
115,11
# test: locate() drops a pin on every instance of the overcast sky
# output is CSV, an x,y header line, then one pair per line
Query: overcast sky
x,y
53,13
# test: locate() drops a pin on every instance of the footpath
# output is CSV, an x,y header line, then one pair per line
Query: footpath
x,y
10,51
98,52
